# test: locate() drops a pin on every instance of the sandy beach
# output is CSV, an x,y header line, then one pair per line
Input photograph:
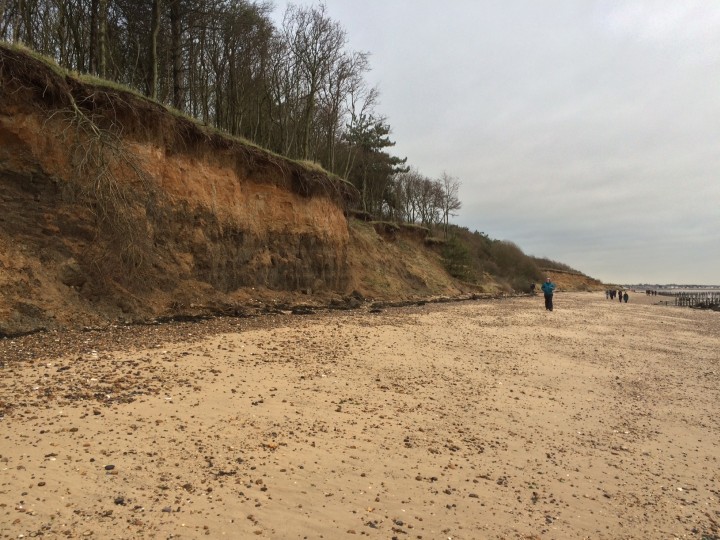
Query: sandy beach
x,y
471,420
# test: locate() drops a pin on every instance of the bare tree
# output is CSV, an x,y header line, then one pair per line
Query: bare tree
x,y
333,96
408,187
316,42
450,198
361,101
429,201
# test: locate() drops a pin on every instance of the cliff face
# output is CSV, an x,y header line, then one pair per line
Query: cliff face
x,y
113,208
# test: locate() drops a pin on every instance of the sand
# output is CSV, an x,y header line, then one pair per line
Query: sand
x,y
483,419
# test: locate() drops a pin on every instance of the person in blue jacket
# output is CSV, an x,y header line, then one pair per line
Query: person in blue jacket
x,y
548,288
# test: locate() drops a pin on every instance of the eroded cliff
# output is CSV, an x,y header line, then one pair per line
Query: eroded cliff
x,y
114,208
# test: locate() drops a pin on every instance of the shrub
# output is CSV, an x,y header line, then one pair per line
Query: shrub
x,y
457,260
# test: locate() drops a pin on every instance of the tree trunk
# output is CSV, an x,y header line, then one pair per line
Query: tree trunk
x,y
176,52
102,37
16,25
93,52
153,61
3,3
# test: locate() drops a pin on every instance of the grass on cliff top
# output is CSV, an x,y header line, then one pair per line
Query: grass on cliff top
x,y
98,82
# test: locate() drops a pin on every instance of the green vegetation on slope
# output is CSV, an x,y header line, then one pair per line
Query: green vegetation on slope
x,y
473,256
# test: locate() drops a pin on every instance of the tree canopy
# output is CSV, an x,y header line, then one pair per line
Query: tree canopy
x,y
294,87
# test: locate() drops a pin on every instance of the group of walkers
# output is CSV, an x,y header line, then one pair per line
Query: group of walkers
x,y
610,294
548,288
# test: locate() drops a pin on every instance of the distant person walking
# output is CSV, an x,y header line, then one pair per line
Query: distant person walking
x,y
625,297
548,288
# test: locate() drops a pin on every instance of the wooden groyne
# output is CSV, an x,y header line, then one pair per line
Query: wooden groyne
x,y
700,300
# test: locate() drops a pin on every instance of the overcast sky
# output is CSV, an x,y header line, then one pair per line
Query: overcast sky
x,y
584,131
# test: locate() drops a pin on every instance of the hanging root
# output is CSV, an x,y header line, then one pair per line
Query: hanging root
x,y
108,180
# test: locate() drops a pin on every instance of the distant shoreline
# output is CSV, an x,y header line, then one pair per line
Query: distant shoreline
x,y
676,288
